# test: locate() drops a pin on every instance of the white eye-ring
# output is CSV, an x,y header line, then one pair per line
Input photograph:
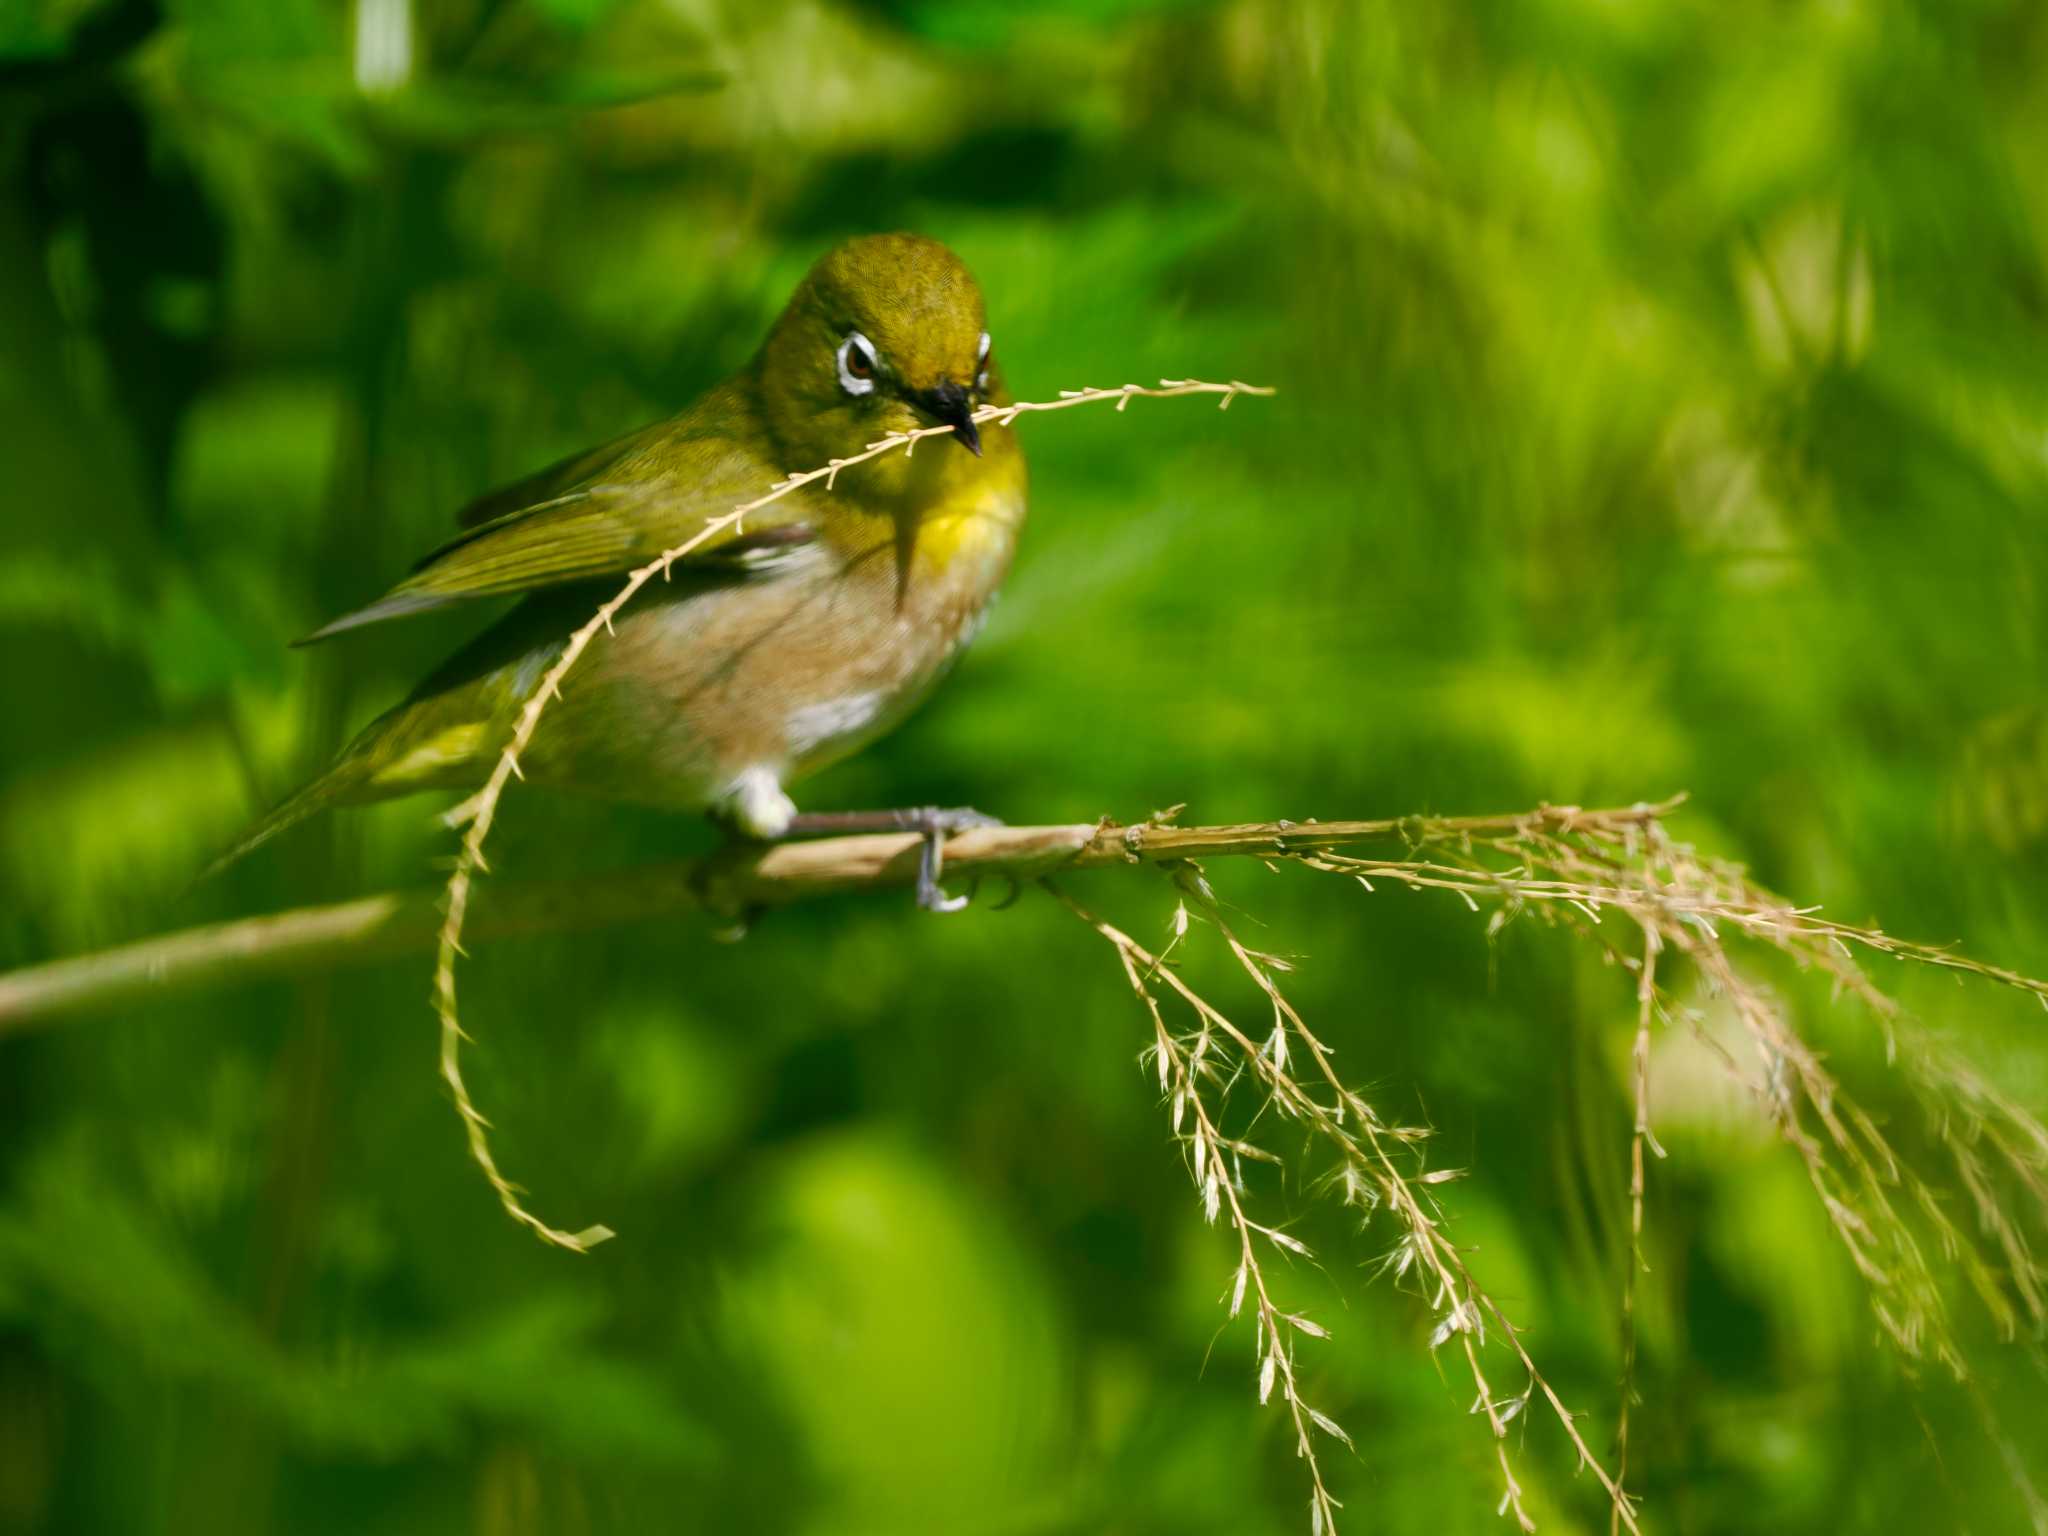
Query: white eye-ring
x,y
857,364
981,363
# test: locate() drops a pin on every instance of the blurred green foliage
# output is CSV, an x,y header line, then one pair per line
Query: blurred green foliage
x,y
1663,406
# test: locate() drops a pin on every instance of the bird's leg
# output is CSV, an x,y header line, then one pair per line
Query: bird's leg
x,y
932,822
753,809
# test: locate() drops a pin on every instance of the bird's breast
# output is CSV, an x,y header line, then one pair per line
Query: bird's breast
x,y
788,667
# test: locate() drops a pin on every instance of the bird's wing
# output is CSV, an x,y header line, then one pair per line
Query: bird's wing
x,y
599,513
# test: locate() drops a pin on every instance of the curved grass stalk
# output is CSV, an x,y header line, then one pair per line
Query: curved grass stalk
x,y
477,813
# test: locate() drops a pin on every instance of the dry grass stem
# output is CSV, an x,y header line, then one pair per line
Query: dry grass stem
x,y
1608,875
481,809
1582,873
1195,1070
1639,1057
739,877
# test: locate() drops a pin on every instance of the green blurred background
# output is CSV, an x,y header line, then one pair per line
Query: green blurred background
x,y
1664,405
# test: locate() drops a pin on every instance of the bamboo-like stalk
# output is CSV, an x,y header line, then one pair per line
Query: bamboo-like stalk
x,y
404,922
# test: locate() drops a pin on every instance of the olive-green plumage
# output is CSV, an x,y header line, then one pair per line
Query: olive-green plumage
x,y
777,648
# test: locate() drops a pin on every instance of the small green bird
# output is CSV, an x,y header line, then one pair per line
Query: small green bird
x,y
777,648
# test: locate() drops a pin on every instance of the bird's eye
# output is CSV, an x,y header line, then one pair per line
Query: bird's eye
x,y
857,364
981,363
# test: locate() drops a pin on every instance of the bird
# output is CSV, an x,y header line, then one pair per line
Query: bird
x,y
779,646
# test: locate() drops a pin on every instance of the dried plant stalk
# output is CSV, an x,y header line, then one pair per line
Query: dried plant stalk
x,y
1592,872
1639,1059
478,812
1377,1169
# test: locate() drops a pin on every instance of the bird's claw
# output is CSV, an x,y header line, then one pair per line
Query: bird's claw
x,y
933,825
937,825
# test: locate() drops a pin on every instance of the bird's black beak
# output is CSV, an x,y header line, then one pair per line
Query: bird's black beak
x,y
949,403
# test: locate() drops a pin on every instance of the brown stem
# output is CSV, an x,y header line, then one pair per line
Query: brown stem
x,y
405,922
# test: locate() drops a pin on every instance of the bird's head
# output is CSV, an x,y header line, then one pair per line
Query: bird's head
x,y
885,334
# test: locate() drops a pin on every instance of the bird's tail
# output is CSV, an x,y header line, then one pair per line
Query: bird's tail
x,y
331,788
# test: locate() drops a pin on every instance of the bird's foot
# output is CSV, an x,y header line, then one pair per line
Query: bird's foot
x,y
933,823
